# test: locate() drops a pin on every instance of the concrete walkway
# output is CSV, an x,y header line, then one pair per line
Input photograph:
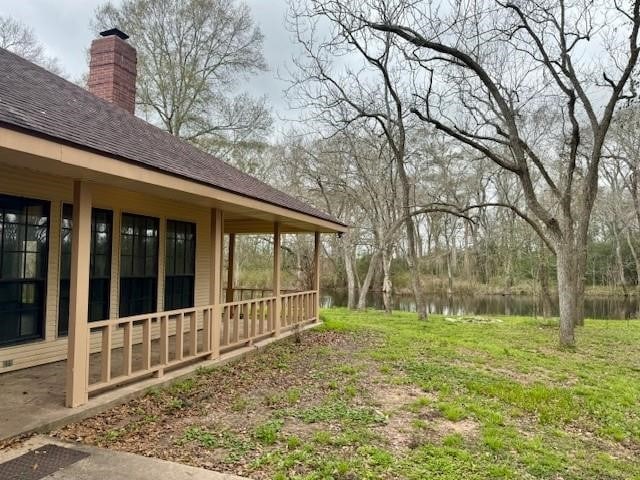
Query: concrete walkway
x,y
99,464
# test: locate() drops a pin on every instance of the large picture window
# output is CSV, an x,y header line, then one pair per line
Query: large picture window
x,y
100,266
24,239
138,264
180,265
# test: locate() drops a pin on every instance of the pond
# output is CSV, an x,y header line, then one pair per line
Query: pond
x,y
606,307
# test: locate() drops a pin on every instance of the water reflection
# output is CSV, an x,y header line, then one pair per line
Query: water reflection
x,y
607,307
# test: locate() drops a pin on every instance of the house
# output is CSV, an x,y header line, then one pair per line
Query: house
x,y
112,233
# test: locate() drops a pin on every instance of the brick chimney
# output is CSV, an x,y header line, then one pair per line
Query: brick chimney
x,y
112,69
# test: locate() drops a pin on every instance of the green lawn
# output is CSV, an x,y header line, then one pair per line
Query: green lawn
x,y
374,396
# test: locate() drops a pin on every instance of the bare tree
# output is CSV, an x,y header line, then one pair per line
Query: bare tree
x,y
342,99
353,167
191,55
21,40
513,81
623,163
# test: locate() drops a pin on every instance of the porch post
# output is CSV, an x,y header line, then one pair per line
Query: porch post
x,y
215,287
276,277
231,266
77,379
316,275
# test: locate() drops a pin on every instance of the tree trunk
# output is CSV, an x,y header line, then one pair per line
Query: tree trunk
x,y
467,254
580,255
410,227
448,263
449,274
543,274
351,279
620,261
567,294
386,281
414,271
368,279
634,254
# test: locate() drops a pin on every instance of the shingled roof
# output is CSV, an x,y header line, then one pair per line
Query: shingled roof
x,y
36,100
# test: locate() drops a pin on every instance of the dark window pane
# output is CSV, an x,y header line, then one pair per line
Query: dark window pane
x,y
66,242
11,265
10,327
29,323
102,242
13,237
138,265
9,295
170,260
99,299
126,245
100,266
152,266
63,309
180,271
125,266
23,268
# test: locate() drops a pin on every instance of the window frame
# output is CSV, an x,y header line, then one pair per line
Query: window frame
x,y
127,282
186,278
42,258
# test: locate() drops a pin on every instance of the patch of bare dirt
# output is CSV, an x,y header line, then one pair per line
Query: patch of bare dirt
x,y
410,425
407,430
392,397
398,431
467,428
300,429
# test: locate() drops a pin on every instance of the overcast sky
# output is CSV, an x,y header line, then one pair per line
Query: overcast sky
x,y
63,27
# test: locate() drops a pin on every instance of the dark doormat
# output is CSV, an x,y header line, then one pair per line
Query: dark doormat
x,y
39,463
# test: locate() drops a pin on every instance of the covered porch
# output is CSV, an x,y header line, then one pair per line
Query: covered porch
x,y
109,353
91,207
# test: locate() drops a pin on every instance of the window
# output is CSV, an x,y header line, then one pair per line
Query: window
x,y
180,266
100,266
24,239
138,264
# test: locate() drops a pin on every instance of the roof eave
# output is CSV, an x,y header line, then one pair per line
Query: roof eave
x,y
335,225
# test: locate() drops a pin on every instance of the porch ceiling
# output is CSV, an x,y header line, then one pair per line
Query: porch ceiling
x,y
242,214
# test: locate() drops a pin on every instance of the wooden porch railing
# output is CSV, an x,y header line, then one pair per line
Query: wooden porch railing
x,y
240,294
244,321
298,307
246,293
149,343
144,345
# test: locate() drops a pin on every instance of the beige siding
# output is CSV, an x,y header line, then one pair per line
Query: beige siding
x,y
14,181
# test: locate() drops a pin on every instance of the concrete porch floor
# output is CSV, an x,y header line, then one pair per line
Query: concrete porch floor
x,y
32,399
